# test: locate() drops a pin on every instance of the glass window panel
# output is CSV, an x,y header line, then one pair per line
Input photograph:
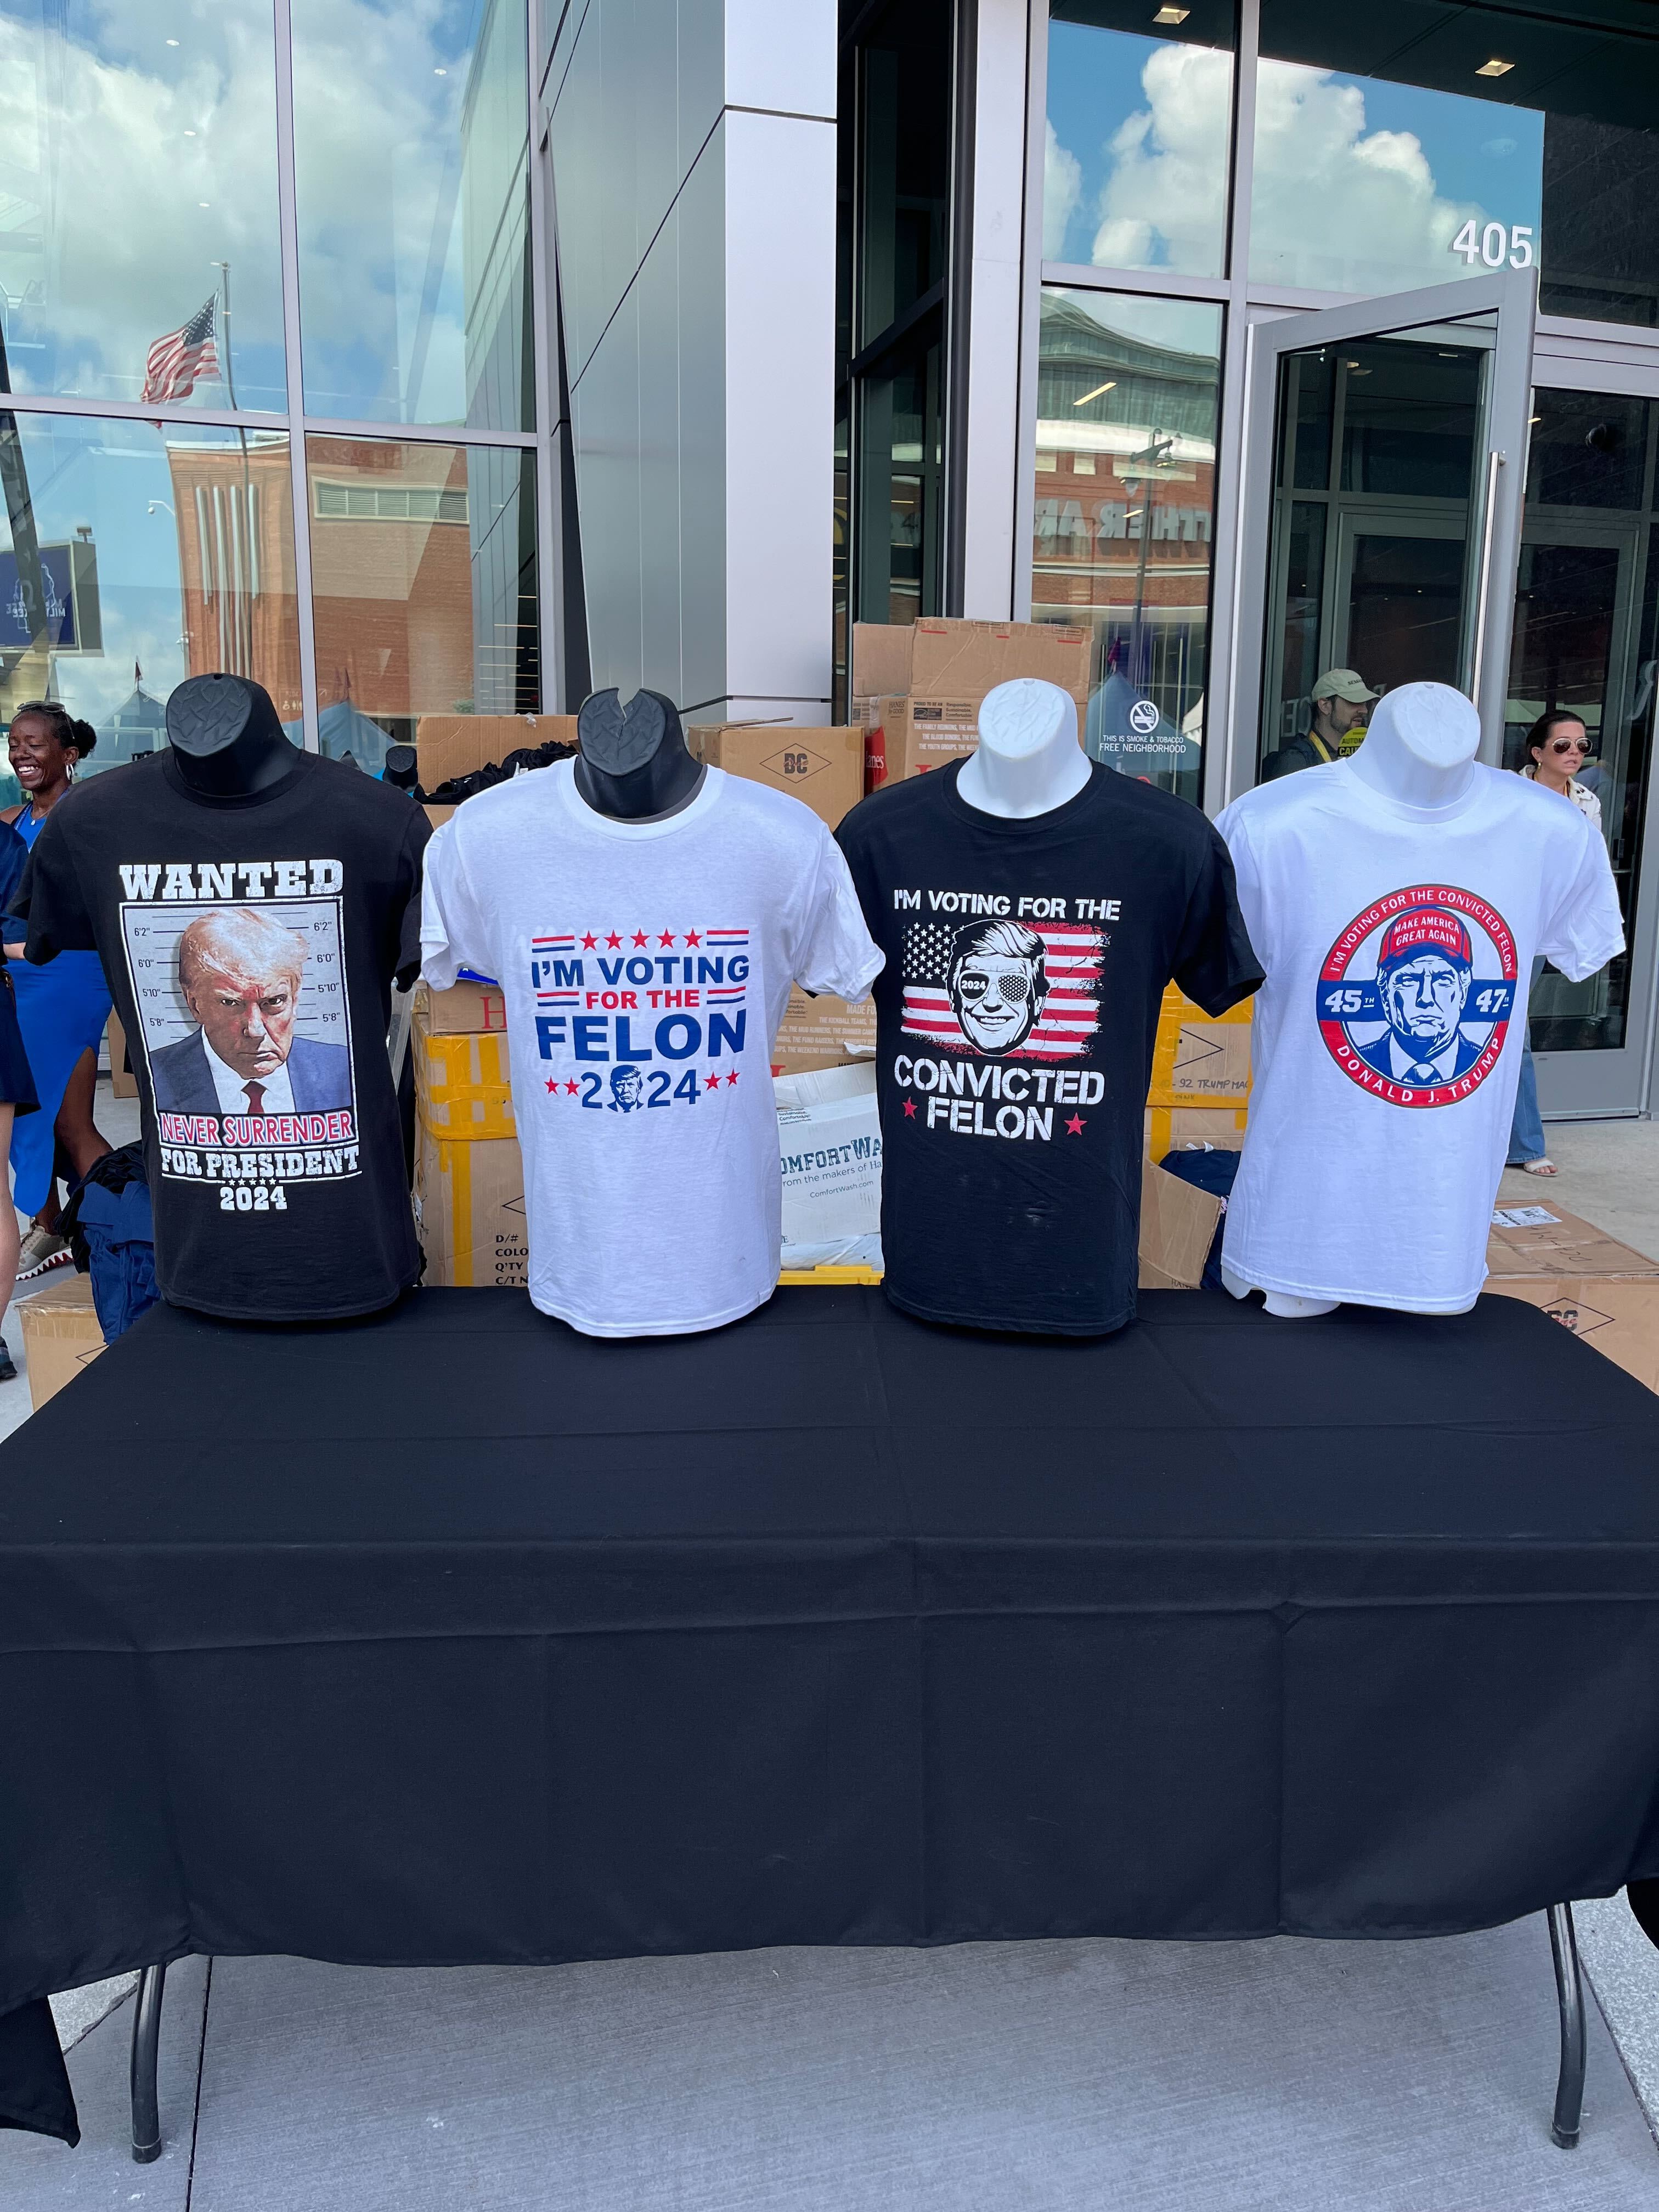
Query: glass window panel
x,y
1139,129
411,173
135,556
1588,449
904,99
1382,133
1128,392
423,588
1410,414
139,202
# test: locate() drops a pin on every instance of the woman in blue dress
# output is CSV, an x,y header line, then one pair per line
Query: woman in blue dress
x,y
62,1008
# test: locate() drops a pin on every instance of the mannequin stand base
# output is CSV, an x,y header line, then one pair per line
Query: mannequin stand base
x,y
1284,1305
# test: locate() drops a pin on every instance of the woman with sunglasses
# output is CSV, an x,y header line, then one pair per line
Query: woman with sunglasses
x,y
1556,746
61,1007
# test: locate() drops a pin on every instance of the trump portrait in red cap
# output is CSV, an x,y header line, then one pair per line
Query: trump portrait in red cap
x,y
1423,966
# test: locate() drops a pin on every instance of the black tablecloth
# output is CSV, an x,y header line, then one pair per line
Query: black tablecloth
x,y
455,1636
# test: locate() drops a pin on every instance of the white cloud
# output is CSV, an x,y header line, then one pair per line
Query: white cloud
x,y
1162,203
1336,208
1062,186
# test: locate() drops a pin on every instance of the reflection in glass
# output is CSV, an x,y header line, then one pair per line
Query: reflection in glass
x,y
137,556
1360,186
1127,395
424,583
1378,143
1139,132
903,160
411,172
140,200
1370,565
1587,639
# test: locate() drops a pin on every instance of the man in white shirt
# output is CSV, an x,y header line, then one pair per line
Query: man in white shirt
x,y
239,973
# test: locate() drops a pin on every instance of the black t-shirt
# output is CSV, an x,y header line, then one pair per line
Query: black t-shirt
x,y
249,944
1016,1019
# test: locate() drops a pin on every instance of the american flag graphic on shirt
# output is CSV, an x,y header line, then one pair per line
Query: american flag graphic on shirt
x,y
1070,1013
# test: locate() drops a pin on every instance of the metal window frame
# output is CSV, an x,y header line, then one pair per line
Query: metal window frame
x,y
293,422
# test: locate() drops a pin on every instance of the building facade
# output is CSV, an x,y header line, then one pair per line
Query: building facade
x,y
468,357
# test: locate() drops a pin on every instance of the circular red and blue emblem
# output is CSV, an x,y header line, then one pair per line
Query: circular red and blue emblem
x,y
1415,997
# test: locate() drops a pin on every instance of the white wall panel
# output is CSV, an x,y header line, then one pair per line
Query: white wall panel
x,y
1000,156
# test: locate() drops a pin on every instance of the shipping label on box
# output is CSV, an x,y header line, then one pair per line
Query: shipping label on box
x,y
822,1032
919,735
823,768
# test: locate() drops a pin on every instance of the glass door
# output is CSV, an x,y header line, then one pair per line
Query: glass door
x,y
1384,463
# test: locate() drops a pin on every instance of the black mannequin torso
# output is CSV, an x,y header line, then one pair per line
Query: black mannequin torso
x,y
227,740
633,765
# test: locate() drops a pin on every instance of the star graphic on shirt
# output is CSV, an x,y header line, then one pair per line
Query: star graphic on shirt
x,y
712,1083
613,940
692,938
551,1085
589,942
570,1088
664,937
732,1078
1074,1126
910,1109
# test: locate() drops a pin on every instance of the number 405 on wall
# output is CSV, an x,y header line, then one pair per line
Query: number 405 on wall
x,y
1496,244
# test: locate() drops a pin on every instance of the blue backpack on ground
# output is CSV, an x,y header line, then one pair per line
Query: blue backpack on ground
x,y
111,1232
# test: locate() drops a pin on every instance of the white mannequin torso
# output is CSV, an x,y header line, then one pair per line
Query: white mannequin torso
x,y
1420,746
1028,761
1419,751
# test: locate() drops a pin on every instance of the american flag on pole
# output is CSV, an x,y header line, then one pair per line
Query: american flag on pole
x,y
174,362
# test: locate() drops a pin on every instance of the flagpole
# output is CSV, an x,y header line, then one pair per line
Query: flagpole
x,y
243,591
223,267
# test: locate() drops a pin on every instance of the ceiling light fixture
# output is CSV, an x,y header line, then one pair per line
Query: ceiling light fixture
x,y
1494,68
1172,14
1096,393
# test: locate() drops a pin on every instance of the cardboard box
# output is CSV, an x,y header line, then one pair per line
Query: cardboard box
x,y
830,1146
822,1032
469,1174
470,1211
456,744
122,1083
1587,1281
822,768
936,657
1177,1227
1200,1060
470,1009
1168,1129
931,716
437,815
61,1334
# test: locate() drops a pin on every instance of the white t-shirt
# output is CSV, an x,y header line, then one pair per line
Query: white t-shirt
x,y
646,968
1387,1040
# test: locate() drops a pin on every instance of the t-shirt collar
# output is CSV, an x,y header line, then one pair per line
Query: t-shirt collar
x,y
1024,825
589,818
303,765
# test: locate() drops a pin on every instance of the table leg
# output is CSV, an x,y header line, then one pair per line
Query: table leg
x,y
146,2042
1569,1990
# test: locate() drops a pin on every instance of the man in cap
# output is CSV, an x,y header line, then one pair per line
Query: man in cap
x,y
1339,701
1423,966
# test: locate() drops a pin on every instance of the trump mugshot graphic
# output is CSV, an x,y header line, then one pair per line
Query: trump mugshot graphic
x,y
240,972
1415,998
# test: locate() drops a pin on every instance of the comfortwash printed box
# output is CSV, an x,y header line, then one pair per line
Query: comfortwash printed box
x,y
830,1142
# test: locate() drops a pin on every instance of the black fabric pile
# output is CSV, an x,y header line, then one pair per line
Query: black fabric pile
x,y
455,789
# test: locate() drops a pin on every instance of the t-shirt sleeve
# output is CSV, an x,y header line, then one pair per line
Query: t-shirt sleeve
x,y
417,838
834,949
1215,964
14,859
452,931
51,899
1585,930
